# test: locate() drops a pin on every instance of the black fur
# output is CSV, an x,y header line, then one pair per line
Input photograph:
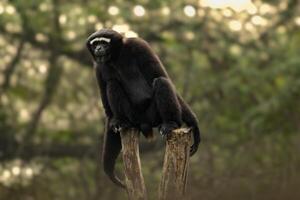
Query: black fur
x,y
136,91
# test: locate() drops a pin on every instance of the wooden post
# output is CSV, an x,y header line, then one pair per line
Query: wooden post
x,y
132,165
176,162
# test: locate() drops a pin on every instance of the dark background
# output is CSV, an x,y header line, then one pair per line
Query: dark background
x,y
235,62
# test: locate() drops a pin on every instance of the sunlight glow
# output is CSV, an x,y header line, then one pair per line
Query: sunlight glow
x,y
1,9
113,10
297,21
249,27
189,11
265,8
237,5
121,28
11,49
251,9
283,5
92,18
201,13
259,21
16,170
12,173
41,37
189,35
11,27
24,114
227,12
125,29
5,175
165,11
10,10
44,7
62,19
29,172
71,35
139,10
235,25
131,34
42,68
98,26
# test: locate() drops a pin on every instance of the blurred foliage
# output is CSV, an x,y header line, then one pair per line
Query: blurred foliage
x,y
236,62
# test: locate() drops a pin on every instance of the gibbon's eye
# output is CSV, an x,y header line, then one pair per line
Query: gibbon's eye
x,y
95,43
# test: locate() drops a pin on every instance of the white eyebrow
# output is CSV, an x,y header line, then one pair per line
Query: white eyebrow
x,y
100,39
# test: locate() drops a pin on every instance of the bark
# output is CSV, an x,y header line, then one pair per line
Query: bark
x,y
132,165
176,163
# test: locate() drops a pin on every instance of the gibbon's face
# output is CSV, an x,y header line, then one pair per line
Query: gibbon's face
x,y
100,48
105,45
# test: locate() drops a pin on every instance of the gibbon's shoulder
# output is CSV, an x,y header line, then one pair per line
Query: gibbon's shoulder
x,y
138,47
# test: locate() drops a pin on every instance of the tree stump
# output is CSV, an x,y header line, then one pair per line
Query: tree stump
x,y
134,180
176,162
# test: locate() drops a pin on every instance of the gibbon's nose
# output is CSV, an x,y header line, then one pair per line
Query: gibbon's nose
x,y
100,50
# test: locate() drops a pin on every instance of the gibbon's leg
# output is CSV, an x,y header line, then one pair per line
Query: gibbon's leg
x,y
167,104
123,114
150,119
111,149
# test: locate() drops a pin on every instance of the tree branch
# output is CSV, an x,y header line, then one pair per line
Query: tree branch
x,y
11,67
52,80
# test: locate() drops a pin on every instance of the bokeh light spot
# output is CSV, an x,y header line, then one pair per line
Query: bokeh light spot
x,y
1,9
236,5
258,20
29,172
98,26
121,28
189,10
16,170
131,34
62,19
297,21
139,10
41,37
165,11
235,25
92,18
113,10
10,10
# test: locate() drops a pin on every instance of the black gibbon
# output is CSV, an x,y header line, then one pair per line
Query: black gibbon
x,y
136,91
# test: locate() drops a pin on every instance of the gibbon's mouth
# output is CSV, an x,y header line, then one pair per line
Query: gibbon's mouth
x,y
103,57
100,54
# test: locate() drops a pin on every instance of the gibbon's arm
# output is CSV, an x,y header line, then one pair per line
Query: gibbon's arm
x,y
102,87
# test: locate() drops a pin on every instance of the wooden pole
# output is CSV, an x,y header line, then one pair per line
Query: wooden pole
x,y
132,165
176,162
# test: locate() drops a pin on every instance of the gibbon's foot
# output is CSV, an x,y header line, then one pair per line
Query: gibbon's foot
x,y
193,149
166,128
119,125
